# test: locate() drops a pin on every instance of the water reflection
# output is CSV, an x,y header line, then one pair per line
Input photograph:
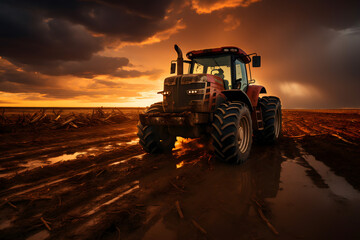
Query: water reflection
x,y
45,160
65,157
292,199
303,209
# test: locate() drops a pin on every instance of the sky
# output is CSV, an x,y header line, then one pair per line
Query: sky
x,y
92,53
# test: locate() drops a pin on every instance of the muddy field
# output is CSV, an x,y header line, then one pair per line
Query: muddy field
x,y
97,183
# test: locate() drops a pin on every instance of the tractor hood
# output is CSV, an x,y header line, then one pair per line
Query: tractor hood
x,y
191,92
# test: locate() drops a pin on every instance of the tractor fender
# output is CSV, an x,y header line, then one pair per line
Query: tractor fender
x,y
253,92
238,95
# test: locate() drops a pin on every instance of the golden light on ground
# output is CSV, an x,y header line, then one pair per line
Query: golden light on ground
x,y
180,164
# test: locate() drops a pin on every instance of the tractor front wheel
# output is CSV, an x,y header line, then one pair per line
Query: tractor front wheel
x,y
232,132
155,139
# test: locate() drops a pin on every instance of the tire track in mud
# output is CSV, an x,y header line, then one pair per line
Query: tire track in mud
x,y
67,175
80,184
48,147
62,185
63,153
14,162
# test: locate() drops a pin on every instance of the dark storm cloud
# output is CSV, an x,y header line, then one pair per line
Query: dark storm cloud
x,y
63,37
135,73
16,80
129,20
313,44
27,38
47,33
10,75
97,65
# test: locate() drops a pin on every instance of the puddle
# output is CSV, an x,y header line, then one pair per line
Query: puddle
x,y
109,147
92,149
65,157
302,210
32,164
132,142
338,185
39,236
45,160
159,231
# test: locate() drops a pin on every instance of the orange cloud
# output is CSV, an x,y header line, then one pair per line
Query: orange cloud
x,y
231,22
203,7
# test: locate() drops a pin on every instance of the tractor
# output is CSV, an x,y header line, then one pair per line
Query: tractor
x,y
217,98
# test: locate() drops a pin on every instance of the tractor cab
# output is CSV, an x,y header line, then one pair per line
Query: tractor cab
x,y
231,64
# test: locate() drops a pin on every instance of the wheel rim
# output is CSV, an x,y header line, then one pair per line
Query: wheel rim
x,y
277,123
243,135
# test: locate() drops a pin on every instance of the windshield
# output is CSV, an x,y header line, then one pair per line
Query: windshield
x,y
218,66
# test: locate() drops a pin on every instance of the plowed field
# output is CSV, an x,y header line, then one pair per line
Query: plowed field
x,y
97,183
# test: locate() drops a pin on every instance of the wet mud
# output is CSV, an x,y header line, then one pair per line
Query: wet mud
x,y
97,183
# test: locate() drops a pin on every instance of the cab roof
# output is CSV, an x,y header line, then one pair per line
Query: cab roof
x,y
221,50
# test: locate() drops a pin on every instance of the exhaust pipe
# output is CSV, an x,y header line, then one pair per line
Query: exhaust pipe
x,y
179,60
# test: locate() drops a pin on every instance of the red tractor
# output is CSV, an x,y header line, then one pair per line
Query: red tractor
x,y
217,98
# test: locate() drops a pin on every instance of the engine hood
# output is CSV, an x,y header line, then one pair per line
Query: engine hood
x,y
191,92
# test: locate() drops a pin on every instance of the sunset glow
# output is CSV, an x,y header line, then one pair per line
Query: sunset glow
x,y
118,54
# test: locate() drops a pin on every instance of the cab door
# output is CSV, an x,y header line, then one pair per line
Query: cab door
x,y
241,79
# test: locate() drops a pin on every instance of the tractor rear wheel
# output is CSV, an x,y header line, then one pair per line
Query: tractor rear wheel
x,y
155,139
232,132
272,117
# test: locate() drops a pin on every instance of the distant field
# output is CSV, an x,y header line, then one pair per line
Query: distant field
x,y
65,110
357,111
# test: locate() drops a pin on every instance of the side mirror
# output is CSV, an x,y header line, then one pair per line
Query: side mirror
x,y
172,68
256,61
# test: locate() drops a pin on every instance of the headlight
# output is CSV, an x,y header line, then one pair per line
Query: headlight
x,y
195,91
166,93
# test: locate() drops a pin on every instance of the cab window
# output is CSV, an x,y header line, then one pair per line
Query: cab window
x,y
214,65
241,81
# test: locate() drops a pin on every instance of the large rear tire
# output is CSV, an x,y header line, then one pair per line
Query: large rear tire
x,y
272,117
155,139
232,132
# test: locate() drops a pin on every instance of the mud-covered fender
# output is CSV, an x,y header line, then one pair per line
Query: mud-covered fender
x,y
238,95
253,92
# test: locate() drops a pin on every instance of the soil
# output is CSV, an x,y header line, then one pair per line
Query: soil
x,y
97,183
